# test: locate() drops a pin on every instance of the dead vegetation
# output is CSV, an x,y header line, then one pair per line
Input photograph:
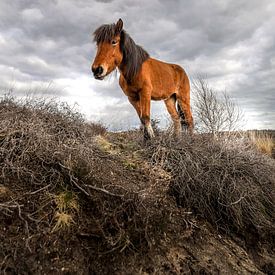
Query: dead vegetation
x,y
76,199
214,110
223,179
263,141
57,175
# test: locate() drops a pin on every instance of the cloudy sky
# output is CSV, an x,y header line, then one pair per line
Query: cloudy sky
x,y
46,47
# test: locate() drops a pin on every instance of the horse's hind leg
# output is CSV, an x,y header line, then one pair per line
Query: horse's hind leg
x,y
183,98
171,108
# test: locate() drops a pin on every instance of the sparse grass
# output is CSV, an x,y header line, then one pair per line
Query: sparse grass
x,y
130,165
66,201
263,142
62,221
3,190
66,207
105,145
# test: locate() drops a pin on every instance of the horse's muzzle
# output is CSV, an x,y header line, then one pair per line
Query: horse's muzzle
x,y
98,72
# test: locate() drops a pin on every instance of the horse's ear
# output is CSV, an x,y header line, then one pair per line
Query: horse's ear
x,y
119,26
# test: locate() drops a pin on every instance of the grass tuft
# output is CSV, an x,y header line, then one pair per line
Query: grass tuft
x,y
63,221
66,201
263,142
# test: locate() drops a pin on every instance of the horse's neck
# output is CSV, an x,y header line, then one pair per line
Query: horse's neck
x,y
122,69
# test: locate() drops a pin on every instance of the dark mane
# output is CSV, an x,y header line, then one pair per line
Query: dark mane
x,y
133,54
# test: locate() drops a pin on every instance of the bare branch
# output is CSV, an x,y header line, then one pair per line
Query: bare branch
x,y
214,112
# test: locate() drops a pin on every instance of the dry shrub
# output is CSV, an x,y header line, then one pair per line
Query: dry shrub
x,y
60,177
214,110
224,180
66,193
38,139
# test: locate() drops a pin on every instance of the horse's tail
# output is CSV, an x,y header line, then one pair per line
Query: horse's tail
x,y
182,117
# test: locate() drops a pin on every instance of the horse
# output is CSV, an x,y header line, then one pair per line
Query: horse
x,y
142,78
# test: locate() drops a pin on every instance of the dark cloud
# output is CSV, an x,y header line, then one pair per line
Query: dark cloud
x,y
232,42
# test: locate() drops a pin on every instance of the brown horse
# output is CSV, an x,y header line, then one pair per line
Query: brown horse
x,y
142,78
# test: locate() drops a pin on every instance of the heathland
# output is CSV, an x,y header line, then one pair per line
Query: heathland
x,y
77,199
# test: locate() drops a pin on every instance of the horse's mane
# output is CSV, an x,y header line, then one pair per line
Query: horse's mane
x,y
133,54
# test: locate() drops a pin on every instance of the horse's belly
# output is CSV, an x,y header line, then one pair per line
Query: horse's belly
x,y
162,95
163,88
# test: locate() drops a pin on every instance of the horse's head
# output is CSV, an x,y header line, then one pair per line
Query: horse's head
x,y
109,54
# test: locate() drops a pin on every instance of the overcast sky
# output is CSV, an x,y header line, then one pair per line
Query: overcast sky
x,y
46,47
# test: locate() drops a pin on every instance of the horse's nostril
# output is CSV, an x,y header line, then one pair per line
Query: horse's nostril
x,y
98,70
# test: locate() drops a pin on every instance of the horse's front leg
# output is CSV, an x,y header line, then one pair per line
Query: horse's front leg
x,y
145,105
135,102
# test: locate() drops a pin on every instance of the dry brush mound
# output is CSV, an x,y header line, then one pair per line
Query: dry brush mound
x,y
76,199
57,176
223,179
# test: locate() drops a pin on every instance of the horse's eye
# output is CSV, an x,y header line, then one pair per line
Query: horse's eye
x,y
114,42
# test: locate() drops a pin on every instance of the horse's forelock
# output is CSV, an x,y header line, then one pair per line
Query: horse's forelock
x,y
133,54
105,33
